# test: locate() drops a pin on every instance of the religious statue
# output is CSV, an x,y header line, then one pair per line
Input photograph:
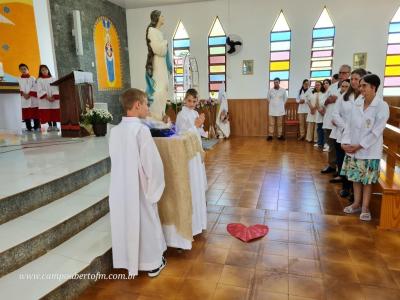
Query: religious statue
x,y
158,65
109,54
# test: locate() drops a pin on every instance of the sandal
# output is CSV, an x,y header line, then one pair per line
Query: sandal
x,y
365,216
350,210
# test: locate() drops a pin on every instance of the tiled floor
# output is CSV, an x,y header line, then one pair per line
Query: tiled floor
x,y
312,251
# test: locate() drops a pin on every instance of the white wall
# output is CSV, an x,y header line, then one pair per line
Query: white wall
x,y
360,27
45,34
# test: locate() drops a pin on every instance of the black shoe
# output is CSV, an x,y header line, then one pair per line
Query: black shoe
x,y
281,137
327,170
337,179
344,193
269,138
156,272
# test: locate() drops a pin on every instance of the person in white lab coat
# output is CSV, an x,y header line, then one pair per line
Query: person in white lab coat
x,y
277,98
136,185
189,120
319,97
331,95
362,141
303,108
340,115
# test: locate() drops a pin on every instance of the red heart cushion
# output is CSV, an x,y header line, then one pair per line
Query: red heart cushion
x,y
247,234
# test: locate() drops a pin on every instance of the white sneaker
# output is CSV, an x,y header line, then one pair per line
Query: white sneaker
x,y
316,145
365,216
156,272
350,210
326,148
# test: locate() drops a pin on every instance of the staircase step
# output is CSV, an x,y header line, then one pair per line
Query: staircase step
x,y
31,178
75,255
33,234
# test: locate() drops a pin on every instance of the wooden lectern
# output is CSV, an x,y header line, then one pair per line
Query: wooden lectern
x,y
74,98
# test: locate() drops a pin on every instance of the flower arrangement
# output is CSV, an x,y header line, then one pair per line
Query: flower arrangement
x,y
203,103
96,116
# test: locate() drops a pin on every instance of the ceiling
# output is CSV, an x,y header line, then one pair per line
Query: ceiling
x,y
150,3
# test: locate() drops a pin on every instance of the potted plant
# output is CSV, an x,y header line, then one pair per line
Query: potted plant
x,y
98,118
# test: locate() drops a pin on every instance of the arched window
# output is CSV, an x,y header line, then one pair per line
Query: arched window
x,y
323,37
181,46
391,85
216,58
279,63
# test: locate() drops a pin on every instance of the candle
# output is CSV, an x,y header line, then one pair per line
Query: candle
x,y
1,71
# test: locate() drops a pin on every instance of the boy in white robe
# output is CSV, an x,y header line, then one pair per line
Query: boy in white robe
x,y
189,120
137,183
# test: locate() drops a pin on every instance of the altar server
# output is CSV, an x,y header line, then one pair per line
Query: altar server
x,y
277,98
223,125
49,103
29,101
189,120
137,183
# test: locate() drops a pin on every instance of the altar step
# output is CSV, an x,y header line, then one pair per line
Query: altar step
x,y
58,227
88,252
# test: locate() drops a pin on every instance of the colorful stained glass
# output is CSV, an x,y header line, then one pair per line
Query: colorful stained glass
x,y
323,36
391,83
216,58
280,41
181,47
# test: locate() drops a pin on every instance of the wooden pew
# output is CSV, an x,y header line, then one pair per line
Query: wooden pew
x,y
389,181
394,118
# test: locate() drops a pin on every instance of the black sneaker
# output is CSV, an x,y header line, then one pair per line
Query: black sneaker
x,y
156,272
327,170
281,137
269,138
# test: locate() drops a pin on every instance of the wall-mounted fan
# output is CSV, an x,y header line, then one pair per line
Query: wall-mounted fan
x,y
234,44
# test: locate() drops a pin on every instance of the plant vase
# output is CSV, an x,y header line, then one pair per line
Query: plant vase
x,y
100,129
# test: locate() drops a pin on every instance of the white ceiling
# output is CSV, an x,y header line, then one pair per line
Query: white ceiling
x,y
150,3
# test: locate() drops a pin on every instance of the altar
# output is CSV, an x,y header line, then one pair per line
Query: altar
x,y
175,206
10,108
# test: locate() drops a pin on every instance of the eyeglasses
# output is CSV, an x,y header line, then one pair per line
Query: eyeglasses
x,y
344,72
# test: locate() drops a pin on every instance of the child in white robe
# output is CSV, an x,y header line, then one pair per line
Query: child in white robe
x,y
137,183
49,104
29,101
189,120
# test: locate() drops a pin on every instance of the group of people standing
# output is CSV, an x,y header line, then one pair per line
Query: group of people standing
x,y
40,101
346,118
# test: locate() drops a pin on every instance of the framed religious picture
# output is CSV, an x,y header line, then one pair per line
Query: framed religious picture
x,y
247,67
360,60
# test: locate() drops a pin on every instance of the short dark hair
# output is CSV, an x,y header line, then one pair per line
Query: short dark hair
x,y
22,65
191,92
277,78
129,97
335,76
373,80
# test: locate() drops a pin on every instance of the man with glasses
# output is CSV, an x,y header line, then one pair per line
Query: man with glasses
x,y
331,96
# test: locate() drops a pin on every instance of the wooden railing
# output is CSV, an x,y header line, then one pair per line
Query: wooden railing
x,y
394,118
389,181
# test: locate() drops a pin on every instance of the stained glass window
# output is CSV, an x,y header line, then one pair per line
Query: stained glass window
x,y
279,65
181,46
323,38
391,85
216,58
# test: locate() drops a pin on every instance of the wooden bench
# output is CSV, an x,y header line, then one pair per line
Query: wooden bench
x,y
389,180
394,117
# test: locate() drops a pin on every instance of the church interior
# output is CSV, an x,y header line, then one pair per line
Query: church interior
x,y
266,154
